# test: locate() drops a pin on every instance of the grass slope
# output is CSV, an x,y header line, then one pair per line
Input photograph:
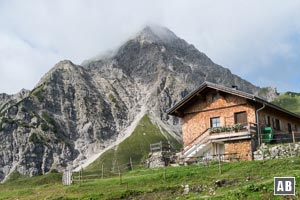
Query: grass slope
x,y
239,180
289,101
135,147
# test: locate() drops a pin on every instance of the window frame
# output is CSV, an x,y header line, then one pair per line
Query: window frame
x,y
236,117
212,123
214,97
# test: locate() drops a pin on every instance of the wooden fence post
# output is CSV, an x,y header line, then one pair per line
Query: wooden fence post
x,y
79,176
131,166
220,170
120,176
82,174
102,173
293,133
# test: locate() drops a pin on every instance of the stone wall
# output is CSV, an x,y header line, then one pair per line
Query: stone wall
x,y
159,159
277,151
241,147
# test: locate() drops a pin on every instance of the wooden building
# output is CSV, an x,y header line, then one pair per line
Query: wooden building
x,y
218,120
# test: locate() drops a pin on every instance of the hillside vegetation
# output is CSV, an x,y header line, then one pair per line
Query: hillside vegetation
x,y
134,149
289,101
238,180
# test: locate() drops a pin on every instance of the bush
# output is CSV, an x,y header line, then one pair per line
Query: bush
x,y
44,127
36,139
39,94
49,120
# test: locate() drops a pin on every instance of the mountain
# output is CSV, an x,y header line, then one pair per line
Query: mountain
x,y
289,101
77,111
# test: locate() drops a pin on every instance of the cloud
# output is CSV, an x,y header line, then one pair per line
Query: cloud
x,y
252,38
21,65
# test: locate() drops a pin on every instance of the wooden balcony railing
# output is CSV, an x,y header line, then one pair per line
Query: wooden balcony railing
x,y
232,132
201,139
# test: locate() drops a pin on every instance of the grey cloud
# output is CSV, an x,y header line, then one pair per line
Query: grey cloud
x,y
241,35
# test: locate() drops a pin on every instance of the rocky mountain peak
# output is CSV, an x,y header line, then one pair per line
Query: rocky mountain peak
x,y
62,68
155,33
64,65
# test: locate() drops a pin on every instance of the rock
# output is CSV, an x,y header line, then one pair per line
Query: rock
x,y
186,189
158,159
277,151
219,183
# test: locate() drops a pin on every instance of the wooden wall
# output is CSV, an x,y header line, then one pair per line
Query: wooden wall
x,y
241,147
283,118
197,116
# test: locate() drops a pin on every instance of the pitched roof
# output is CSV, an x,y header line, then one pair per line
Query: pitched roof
x,y
204,85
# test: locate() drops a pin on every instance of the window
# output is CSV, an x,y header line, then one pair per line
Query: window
x,y
240,118
296,127
215,122
214,97
268,121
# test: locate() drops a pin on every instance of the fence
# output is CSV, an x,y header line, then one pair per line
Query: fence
x,y
281,137
160,146
106,174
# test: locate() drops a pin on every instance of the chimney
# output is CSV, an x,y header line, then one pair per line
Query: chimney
x,y
235,87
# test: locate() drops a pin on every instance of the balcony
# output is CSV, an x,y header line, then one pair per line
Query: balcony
x,y
233,132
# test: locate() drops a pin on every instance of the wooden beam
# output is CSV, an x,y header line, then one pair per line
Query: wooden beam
x,y
198,111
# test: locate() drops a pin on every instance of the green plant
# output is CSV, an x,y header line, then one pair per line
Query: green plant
x,y
50,125
256,188
235,127
36,138
113,99
289,101
44,126
39,94
25,124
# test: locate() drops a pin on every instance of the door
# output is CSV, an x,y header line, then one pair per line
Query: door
x,y
219,148
240,118
290,128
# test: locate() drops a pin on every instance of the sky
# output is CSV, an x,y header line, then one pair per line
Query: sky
x,y
257,40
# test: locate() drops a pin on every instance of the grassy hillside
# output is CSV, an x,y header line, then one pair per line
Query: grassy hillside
x,y
135,147
289,101
238,180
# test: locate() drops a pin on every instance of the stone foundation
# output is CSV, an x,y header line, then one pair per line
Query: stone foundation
x,y
277,151
159,159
